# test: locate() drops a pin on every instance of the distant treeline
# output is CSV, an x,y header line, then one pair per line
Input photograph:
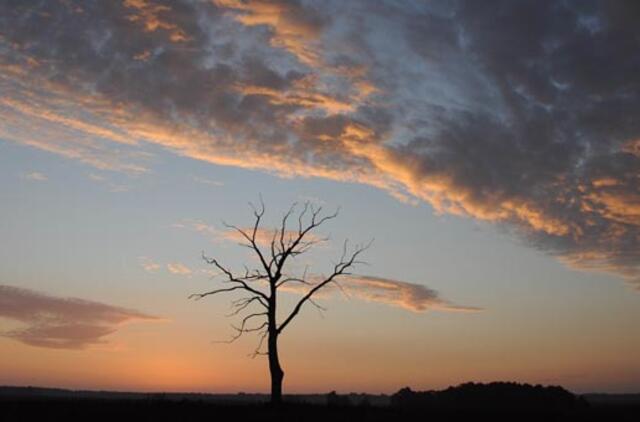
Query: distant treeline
x,y
495,396
500,401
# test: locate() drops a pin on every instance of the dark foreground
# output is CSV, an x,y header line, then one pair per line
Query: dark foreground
x,y
463,403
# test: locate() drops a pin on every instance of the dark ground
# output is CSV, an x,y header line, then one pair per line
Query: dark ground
x,y
469,402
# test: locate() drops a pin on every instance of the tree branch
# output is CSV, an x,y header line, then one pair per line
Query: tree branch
x,y
290,249
199,296
258,214
241,304
339,269
232,279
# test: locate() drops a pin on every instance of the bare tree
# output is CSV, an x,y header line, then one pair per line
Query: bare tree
x,y
257,308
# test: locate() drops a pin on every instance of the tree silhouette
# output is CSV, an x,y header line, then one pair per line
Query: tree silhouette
x,y
261,285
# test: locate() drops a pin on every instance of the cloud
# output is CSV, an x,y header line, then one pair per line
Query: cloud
x,y
198,226
206,181
35,176
62,323
292,28
178,269
149,265
113,187
148,14
409,296
263,235
451,103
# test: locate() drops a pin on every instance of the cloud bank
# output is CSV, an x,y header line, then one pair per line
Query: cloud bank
x,y
61,323
520,113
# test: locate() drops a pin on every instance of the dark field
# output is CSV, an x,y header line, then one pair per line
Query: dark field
x,y
482,402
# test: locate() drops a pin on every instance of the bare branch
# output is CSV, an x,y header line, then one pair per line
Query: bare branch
x,y
199,296
257,351
251,238
293,280
241,304
283,225
298,246
242,329
240,332
320,308
301,216
231,278
339,269
341,288
248,318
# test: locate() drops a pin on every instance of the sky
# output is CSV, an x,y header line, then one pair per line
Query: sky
x,y
491,151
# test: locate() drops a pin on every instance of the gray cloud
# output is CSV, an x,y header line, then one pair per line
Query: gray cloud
x,y
62,323
521,113
555,156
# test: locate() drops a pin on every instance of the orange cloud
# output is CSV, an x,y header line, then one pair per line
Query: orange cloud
x,y
603,261
54,118
263,235
290,33
619,206
632,147
178,268
409,296
299,95
149,16
76,124
149,265
299,33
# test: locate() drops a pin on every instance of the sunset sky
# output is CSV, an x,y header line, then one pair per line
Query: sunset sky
x,y
490,148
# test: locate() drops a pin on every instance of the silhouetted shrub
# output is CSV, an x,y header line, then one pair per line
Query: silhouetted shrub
x,y
496,396
335,400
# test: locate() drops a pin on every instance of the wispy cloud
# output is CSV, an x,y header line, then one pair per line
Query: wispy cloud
x,y
264,235
148,264
198,226
112,187
409,296
62,323
35,176
206,181
178,268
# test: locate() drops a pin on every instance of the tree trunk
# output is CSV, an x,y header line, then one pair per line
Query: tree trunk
x,y
275,369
